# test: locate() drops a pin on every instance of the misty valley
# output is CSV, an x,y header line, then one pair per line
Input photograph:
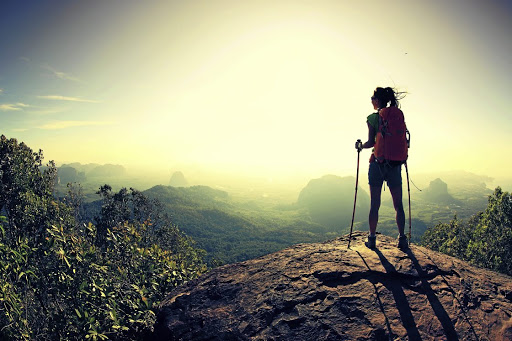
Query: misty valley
x,y
237,222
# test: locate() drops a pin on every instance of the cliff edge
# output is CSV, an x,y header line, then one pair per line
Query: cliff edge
x,y
325,291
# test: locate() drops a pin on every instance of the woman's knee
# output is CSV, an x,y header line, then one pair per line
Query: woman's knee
x,y
399,206
374,206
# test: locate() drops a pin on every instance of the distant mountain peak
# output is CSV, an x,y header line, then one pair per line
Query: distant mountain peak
x,y
325,291
330,199
437,192
438,184
178,180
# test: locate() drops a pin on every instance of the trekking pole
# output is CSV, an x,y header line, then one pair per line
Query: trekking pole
x,y
355,196
409,192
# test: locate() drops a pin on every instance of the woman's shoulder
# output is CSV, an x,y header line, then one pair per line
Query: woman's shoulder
x,y
372,116
373,120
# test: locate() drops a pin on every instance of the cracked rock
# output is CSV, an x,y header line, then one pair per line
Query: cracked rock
x,y
325,291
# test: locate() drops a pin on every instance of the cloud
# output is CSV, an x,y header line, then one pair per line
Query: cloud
x,y
54,72
1,90
57,125
13,106
66,98
46,111
61,75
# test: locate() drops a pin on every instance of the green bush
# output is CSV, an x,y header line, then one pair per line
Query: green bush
x,y
485,240
59,280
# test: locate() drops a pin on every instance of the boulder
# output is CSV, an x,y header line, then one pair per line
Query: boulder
x,y
326,291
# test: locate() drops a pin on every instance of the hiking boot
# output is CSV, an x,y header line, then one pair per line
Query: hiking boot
x,y
371,243
403,243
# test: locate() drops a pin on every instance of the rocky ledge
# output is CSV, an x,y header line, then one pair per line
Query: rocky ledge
x,y
325,291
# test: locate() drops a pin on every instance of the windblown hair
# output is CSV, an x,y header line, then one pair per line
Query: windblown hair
x,y
388,95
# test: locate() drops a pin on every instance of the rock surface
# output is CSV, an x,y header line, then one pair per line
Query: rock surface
x,y
328,292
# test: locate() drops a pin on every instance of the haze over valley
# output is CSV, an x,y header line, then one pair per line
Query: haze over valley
x,y
235,218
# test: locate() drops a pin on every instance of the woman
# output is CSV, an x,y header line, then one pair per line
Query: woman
x,y
382,169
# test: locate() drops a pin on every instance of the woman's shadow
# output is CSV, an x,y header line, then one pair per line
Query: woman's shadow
x,y
395,282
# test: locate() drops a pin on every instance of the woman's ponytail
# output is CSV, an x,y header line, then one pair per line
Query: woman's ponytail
x,y
390,96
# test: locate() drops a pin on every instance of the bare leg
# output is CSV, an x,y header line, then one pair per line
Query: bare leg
x,y
373,217
396,193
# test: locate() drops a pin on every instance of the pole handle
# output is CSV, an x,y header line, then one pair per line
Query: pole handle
x,y
359,145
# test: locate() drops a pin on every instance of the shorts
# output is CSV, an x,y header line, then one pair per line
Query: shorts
x,y
378,172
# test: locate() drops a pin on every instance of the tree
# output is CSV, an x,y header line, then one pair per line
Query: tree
x,y
25,191
491,244
485,240
134,208
450,238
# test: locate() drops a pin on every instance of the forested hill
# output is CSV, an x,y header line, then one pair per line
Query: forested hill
x,y
232,230
235,230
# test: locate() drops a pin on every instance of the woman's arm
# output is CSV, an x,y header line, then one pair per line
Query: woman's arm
x,y
371,137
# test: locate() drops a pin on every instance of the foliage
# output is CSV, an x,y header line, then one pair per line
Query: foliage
x,y
485,240
491,245
25,191
57,282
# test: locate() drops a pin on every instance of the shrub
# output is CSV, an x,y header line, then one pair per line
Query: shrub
x,y
485,240
60,281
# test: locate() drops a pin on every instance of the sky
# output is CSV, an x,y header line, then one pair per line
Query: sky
x,y
269,87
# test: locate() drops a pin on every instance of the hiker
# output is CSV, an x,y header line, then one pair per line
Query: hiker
x,y
386,161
